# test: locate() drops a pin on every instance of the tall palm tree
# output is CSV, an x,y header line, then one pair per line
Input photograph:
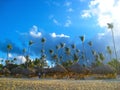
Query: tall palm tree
x,y
82,38
109,52
57,48
9,47
24,51
51,51
27,57
43,40
55,58
73,46
102,57
62,45
67,52
110,26
90,45
29,45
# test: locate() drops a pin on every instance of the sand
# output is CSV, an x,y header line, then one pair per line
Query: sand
x,y
53,84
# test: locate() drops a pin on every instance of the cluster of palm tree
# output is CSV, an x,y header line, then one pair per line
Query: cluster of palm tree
x,y
65,55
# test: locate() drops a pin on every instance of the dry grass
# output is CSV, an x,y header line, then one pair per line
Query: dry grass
x,y
50,84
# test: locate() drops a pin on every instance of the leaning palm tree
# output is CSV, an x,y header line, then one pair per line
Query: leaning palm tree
x,y
73,46
82,38
90,43
57,48
30,44
67,52
24,51
91,50
101,57
27,57
109,52
55,58
9,47
62,45
110,26
43,40
51,51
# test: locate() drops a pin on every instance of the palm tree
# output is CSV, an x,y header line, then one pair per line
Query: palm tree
x,y
92,51
109,51
9,47
82,38
30,44
110,26
57,48
67,52
102,57
73,46
27,57
51,51
90,43
24,51
43,40
55,58
62,45
77,51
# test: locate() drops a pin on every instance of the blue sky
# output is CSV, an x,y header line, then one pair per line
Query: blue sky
x,y
22,20
59,16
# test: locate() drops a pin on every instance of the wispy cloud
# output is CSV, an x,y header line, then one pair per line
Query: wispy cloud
x,y
70,10
68,23
68,4
101,35
56,22
34,32
86,14
51,16
54,35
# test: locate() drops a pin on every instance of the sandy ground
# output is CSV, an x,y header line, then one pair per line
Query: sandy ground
x,y
51,84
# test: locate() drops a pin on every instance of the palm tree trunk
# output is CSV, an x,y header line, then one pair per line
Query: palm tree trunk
x,y
84,53
114,46
7,54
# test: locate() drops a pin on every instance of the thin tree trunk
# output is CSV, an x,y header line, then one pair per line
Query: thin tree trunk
x,y
7,54
114,46
84,53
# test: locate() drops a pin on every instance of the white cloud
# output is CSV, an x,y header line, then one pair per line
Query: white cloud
x,y
54,35
86,14
70,10
101,35
20,59
105,11
10,55
68,23
34,32
56,22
